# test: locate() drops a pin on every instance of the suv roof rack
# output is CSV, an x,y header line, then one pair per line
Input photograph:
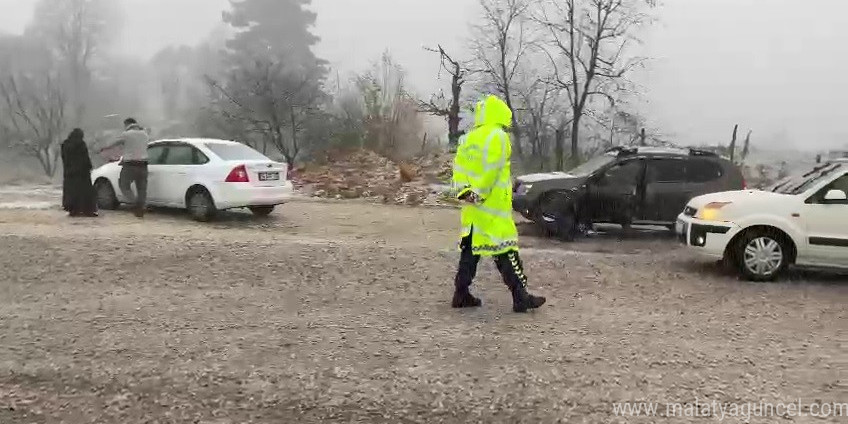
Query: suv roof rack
x,y
700,152
692,151
622,150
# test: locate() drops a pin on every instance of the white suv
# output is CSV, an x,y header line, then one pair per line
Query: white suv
x,y
801,220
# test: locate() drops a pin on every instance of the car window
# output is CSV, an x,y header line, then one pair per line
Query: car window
x,y
666,171
624,173
183,154
593,165
198,158
702,171
154,154
235,152
840,183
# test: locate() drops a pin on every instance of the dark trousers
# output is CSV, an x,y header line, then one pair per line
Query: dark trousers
x,y
509,265
134,173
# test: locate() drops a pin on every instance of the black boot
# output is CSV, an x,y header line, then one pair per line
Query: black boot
x,y
465,300
512,270
468,261
523,301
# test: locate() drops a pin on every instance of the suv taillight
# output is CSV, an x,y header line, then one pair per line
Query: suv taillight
x,y
238,175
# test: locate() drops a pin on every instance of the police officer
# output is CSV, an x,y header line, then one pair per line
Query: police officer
x,y
481,179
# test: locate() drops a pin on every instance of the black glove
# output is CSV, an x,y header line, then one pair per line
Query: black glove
x,y
470,197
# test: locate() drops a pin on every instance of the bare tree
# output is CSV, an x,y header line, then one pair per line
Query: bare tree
x,y
449,109
732,147
32,117
746,148
543,119
588,42
173,67
75,30
269,101
500,45
624,124
391,114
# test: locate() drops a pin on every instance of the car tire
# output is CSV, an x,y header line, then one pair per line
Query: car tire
x,y
106,198
556,218
261,211
200,205
762,255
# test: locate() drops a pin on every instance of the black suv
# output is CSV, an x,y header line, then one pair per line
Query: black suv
x,y
639,185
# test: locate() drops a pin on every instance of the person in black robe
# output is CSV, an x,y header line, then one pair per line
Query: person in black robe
x,y
78,197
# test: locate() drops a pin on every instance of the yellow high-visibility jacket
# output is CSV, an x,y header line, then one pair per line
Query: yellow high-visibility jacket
x,y
482,165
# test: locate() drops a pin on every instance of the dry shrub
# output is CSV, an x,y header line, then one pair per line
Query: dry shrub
x,y
408,173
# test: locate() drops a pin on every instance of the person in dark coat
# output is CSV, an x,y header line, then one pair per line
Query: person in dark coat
x,y
78,197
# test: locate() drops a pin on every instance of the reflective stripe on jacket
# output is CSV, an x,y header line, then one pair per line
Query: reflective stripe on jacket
x,y
482,165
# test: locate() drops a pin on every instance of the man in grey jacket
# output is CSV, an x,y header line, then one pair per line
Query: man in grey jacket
x,y
134,141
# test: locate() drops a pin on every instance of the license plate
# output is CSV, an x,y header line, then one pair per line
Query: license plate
x,y
269,176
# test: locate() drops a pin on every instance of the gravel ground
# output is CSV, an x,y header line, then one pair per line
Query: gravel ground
x,y
339,312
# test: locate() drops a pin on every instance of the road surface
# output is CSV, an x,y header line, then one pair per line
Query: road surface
x,y
339,312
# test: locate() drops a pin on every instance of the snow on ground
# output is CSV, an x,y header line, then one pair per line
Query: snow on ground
x,y
337,312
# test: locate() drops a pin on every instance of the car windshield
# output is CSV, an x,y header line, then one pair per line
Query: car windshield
x,y
235,152
593,165
800,183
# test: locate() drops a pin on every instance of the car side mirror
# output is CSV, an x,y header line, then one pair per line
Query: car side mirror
x,y
835,196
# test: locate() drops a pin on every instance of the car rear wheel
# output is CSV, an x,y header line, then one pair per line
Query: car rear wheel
x,y
106,199
556,218
201,206
762,255
262,211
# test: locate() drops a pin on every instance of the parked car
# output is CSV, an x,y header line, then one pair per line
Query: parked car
x,y
204,176
641,185
801,220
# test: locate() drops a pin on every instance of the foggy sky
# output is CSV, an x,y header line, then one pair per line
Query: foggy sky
x,y
774,66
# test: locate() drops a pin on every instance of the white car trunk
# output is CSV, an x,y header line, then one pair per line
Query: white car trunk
x,y
265,173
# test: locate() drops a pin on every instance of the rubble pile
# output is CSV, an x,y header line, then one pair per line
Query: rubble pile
x,y
363,174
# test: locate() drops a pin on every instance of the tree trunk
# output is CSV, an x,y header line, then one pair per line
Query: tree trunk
x,y
45,158
295,148
453,113
612,131
575,140
540,155
516,132
559,149
733,143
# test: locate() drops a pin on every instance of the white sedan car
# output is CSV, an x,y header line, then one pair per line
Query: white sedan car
x,y
203,176
801,220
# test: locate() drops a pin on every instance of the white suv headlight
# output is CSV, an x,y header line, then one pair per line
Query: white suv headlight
x,y
712,211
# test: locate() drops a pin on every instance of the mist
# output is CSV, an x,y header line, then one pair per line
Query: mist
x,y
768,65
771,67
